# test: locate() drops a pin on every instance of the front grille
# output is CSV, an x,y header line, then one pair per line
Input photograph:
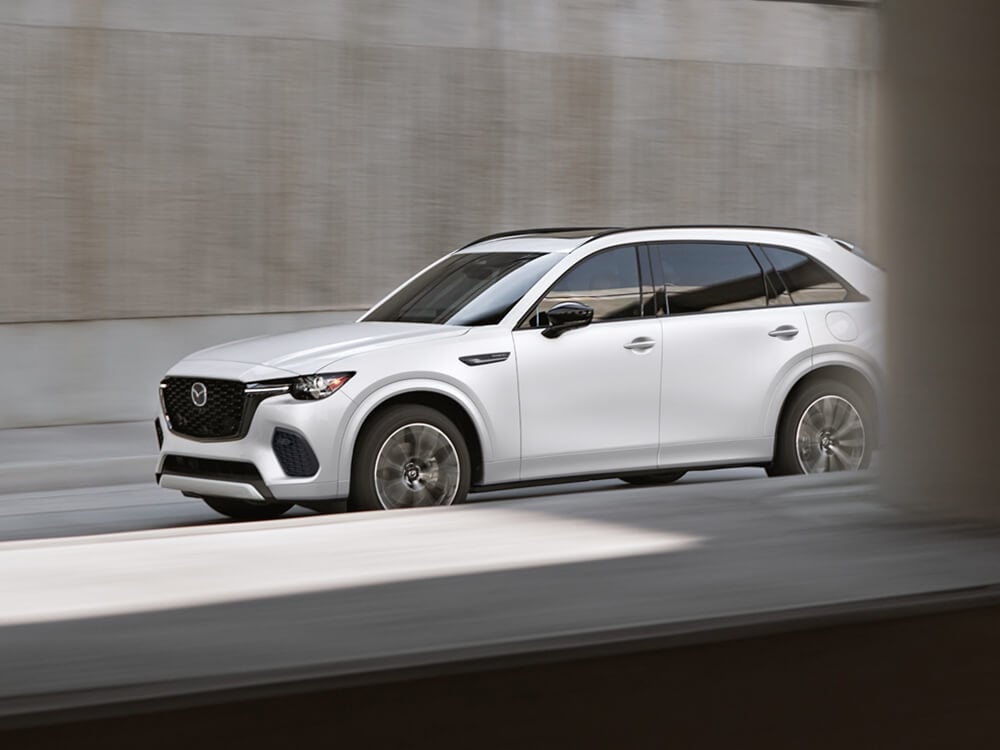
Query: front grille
x,y
221,415
294,454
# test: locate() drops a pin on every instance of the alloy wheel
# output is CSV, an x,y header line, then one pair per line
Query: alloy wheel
x,y
830,436
417,466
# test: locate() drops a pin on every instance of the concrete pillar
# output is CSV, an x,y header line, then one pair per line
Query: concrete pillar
x,y
941,143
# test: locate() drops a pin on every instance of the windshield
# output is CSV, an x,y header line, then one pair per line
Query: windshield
x,y
466,289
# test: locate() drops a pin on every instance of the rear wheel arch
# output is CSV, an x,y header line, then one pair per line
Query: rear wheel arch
x,y
837,381
849,376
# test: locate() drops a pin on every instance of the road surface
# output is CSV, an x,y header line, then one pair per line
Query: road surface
x,y
138,507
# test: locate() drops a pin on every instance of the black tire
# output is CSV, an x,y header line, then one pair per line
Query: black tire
x,y
323,507
660,477
393,423
241,510
786,453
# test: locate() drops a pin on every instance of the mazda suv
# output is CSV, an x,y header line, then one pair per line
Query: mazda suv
x,y
545,355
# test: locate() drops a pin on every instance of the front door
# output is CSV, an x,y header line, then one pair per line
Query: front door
x,y
589,399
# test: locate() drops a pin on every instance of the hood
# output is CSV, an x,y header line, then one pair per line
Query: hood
x,y
311,350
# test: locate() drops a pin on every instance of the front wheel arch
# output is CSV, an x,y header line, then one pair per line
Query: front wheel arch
x,y
381,431
439,402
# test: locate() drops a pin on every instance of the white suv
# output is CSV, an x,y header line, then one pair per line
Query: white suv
x,y
545,355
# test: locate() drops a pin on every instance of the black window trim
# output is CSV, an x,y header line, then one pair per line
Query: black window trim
x,y
772,279
647,286
534,307
659,285
853,295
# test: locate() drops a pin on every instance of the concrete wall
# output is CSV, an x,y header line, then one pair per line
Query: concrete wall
x,y
223,156
213,157
108,370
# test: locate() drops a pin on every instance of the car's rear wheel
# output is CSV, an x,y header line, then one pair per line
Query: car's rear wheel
x,y
240,510
827,426
409,456
659,477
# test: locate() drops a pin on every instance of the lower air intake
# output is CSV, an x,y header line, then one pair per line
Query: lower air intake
x,y
294,454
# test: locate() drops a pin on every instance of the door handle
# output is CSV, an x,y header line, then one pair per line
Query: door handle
x,y
640,344
784,332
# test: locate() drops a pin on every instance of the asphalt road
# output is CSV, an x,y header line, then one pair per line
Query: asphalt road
x,y
138,507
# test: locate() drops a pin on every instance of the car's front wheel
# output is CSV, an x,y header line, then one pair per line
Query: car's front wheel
x,y
409,456
240,510
826,427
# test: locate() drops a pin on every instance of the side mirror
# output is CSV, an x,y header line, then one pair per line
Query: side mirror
x,y
566,316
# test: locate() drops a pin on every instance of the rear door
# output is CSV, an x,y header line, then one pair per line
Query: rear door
x,y
728,337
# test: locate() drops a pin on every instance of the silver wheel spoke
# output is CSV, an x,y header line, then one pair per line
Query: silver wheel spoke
x,y
423,442
436,492
827,408
387,472
843,460
816,464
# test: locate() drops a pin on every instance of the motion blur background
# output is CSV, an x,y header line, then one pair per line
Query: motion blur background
x,y
171,167
179,173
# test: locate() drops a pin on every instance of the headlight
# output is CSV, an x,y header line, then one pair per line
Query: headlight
x,y
315,387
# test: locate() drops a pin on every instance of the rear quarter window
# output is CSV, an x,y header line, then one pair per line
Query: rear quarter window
x,y
807,281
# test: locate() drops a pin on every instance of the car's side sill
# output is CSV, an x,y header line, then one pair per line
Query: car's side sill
x,y
610,475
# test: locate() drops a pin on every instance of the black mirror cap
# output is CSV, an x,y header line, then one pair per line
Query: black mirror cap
x,y
566,316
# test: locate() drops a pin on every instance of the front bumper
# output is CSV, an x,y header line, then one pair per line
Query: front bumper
x,y
249,468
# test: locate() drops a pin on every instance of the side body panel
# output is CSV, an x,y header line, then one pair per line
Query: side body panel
x,y
588,404
488,394
718,371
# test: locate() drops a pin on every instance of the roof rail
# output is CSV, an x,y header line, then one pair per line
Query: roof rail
x,y
703,226
543,230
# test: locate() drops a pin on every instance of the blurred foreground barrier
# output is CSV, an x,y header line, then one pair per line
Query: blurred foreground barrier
x,y
797,607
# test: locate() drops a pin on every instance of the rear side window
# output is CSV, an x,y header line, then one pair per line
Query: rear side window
x,y
706,277
805,279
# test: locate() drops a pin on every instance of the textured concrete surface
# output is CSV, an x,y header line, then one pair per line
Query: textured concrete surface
x,y
215,156
108,370
440,584
49,458
736,31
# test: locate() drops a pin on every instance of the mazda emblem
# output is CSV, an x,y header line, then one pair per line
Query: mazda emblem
x,y
199,394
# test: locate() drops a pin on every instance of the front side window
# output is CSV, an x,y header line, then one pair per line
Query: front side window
x,y
805,279
466,289
710,277
607,281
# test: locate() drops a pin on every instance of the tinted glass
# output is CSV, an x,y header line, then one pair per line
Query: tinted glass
x,y
466,289
607,281
705,277
777,294
806,280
